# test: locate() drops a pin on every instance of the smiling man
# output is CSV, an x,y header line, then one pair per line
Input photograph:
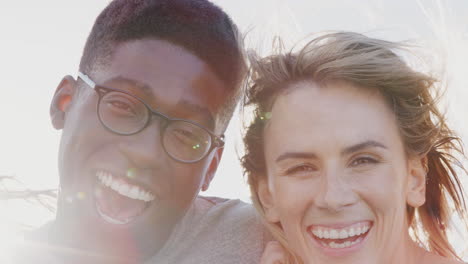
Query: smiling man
x,y
142,133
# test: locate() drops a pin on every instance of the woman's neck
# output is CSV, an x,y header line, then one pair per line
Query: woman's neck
x,y
408,252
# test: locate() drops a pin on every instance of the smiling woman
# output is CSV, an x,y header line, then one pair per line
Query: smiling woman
x,y
348,158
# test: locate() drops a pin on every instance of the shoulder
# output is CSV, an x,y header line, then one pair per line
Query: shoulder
x,y
217,230
227,207
227,215
432,258
35,248
449,261
38,246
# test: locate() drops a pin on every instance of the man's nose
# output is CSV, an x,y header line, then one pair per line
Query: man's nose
x,y
144,149
335,192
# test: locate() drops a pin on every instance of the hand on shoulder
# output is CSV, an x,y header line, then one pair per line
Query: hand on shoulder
x,y
274,253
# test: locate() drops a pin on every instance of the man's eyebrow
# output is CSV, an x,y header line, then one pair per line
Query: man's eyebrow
x,y
363,145
296,155
185,104
199,110
145,88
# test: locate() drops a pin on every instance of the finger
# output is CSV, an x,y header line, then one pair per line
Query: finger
x,y
274,253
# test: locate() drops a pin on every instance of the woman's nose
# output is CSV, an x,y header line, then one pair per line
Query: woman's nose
x,y
335,192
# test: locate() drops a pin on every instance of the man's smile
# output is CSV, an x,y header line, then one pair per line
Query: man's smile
x,y
118,199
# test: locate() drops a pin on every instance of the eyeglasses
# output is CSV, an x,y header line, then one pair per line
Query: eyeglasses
x,y
125,114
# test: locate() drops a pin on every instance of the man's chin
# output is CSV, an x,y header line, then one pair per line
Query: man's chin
x,y
122,221
115,224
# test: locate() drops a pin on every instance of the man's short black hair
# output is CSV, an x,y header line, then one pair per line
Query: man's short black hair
x,y
196,25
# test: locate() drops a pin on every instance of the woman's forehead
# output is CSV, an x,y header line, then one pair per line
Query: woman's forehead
x,y
342,112
306,99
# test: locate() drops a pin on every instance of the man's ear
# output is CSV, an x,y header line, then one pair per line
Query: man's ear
x,y
212,169
417,176
266,199
61,101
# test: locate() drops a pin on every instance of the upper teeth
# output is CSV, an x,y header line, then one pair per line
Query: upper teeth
x,y
123,188
330,233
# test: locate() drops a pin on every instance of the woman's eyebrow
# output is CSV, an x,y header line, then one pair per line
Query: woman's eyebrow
x,y
346,151
363,145
296,155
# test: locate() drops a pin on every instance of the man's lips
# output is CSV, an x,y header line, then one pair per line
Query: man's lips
x,y
124,187
118,200
342,237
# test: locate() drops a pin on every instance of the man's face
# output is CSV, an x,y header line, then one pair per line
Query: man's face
x,y
170,80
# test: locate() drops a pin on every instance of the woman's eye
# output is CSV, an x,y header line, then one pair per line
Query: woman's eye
x,y
300,169
363,161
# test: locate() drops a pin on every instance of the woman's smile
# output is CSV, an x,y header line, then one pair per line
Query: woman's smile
x,y
339,239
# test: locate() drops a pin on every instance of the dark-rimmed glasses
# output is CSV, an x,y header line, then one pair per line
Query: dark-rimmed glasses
x,y
125,114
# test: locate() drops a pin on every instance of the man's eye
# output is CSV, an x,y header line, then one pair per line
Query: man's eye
x,y
120,105
185,135
188,138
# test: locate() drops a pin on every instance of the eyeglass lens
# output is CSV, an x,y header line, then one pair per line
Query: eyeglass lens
x,y
125,114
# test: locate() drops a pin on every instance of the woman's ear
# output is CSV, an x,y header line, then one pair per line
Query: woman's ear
x,y
61,101
417,178
268,202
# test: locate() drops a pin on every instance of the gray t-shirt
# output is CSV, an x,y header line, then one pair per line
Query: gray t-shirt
x,y
217,231
214,230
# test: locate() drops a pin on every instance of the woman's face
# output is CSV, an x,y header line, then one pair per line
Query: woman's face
x,y
338,177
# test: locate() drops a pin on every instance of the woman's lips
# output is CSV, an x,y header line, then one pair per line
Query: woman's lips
x,y
340,239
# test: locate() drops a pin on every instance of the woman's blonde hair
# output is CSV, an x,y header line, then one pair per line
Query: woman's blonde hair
x,y
373,63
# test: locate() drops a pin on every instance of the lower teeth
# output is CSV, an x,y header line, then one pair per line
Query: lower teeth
x,y
342,245
110,219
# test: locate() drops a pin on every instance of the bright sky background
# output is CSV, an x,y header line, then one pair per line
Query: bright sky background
x,y
41,41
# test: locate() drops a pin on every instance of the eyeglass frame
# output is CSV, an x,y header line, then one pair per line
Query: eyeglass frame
x,y
216,141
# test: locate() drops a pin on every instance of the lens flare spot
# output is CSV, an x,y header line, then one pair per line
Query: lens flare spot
x,y
265,116
131,173
197,146
81,195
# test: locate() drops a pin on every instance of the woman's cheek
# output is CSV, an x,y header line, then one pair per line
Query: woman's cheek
x,y
294,194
